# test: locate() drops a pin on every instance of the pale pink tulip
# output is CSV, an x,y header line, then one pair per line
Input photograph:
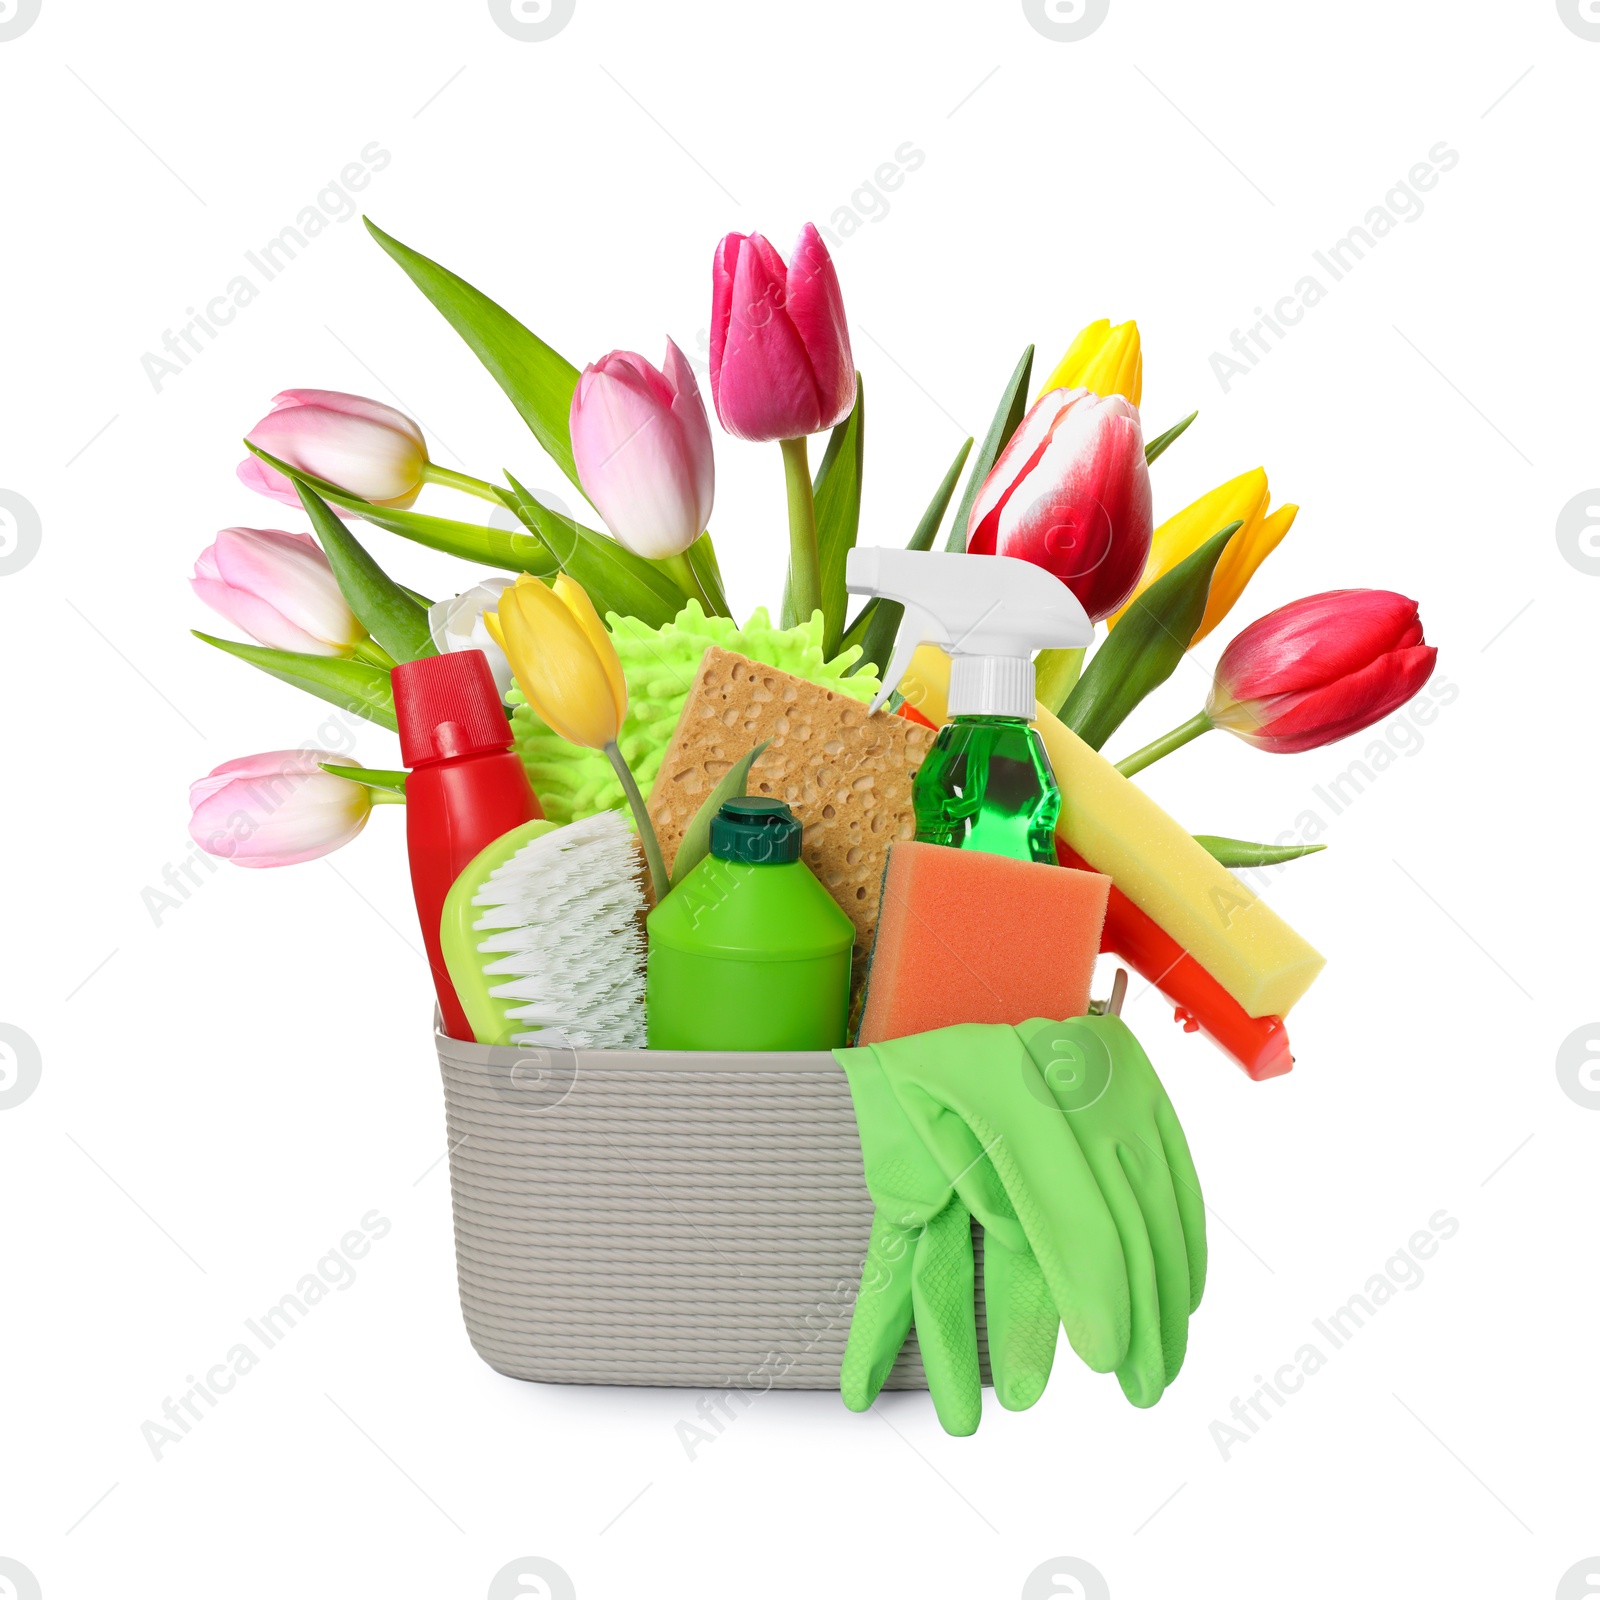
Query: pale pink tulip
x,y
643,450
276,808
279,588
363,446
781,366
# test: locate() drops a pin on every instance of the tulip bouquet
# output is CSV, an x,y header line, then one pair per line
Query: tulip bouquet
x,y
593,636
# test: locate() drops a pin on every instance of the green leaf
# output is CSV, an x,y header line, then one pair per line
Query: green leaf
x,y
1013,407
419,599
352,685
703,559
391,782
512,550
380,605
1145,647
879,621
615,578
1158,445
836,491
697,836
538,382
1241,853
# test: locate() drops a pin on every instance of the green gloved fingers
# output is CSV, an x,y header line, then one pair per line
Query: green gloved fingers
x,y
1147,1176
882,1315
942,1299
1022,1323
1124,1123
1022,1319
972,1091
1142,1373
1077,1246
1186,1191
919,1261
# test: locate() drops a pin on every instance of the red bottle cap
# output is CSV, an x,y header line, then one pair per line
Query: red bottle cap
x,y
448,706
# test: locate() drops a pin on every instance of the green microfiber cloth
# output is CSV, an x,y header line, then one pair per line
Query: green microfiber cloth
x,y
660,666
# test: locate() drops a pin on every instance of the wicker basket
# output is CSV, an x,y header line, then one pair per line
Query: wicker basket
x,y
659,1217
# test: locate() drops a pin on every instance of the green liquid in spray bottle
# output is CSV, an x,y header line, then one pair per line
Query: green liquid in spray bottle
x,y
987,783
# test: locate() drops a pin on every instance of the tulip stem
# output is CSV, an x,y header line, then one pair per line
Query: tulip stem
x,y
432,472
659,880
805,577
373,653
681,570
1165,745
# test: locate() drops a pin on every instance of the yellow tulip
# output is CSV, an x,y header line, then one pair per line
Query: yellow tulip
x,y
1103,359
1244,500
565,663
562,658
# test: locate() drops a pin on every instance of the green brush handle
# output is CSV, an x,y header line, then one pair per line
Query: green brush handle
x,y
459,939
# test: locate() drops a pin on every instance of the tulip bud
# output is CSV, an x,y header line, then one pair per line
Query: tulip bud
x,y
277,808
1071,493
458,624
781,366
1320,669
642,446
1243,500
363,446
563,659
279,588
1103,360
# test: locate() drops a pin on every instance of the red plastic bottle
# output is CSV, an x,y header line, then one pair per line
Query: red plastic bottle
x,y
465,789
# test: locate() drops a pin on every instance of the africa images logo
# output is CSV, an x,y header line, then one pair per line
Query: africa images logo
x,y
16,17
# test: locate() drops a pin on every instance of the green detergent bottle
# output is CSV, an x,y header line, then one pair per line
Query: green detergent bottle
x,y
986,784
749,952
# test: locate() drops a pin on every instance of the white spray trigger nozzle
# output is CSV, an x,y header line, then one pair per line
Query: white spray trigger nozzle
x,y
916,628
990,612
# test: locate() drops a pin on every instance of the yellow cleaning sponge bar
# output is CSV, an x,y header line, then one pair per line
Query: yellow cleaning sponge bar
x,y
1120,831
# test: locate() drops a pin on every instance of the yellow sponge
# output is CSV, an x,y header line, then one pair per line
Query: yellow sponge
x,y
1120,831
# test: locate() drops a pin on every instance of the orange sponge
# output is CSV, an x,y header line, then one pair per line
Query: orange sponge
x,y
964,936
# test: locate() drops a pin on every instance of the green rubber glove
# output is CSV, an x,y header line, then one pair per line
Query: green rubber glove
x,y
971,1099
1128,1132
919,1266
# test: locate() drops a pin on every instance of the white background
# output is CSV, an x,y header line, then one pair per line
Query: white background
x,y
228,1090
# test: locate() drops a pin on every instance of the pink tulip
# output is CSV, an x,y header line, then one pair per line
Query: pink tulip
x,y
643,451
277,808
279,588
1071,494
1321,668
364,447
781,366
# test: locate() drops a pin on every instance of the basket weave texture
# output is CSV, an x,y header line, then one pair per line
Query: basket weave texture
x,y
659,1218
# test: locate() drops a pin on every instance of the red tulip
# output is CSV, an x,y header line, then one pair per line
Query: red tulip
x,y
1319,669
1071,494
781,366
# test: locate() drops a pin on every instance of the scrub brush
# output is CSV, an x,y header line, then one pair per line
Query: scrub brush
x,y
543,938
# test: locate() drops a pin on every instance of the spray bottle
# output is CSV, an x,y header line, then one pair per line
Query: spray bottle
x,y
987,783
464,789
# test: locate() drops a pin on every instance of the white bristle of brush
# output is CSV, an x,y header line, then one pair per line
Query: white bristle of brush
x,y
561,919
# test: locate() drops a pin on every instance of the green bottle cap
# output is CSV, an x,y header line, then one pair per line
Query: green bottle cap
x,y
762,833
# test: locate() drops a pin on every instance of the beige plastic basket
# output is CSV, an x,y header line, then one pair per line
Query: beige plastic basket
x,y
659,1217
